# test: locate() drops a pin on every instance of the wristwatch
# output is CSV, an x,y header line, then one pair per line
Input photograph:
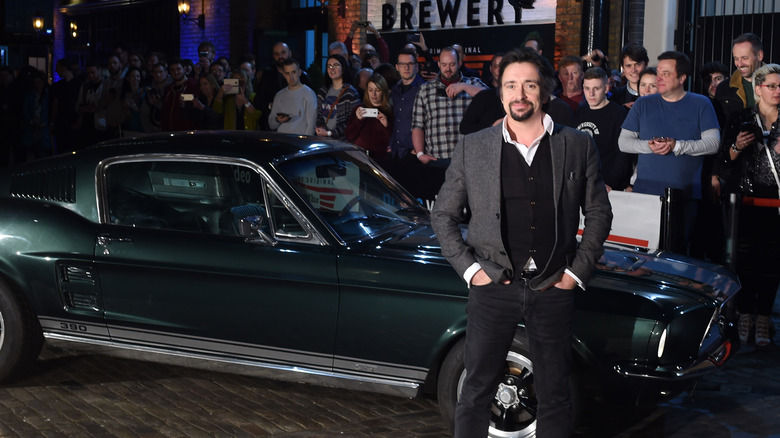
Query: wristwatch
x,y
735,148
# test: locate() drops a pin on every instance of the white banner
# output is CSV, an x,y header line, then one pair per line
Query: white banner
x,y
413,15
636,220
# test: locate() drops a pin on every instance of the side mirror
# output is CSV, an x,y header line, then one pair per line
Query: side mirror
x,y
252,226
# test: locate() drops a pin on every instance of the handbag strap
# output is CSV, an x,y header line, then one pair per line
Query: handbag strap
x,y
336,102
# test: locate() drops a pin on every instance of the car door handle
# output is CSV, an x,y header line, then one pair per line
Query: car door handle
x,y
105,240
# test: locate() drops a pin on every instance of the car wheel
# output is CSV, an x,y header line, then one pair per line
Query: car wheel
x,y
20,335
513,412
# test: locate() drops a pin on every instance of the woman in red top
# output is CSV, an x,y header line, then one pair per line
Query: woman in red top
x,y
371,123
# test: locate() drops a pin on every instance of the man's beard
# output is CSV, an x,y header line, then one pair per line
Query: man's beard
x,y
280,62
451,78
524,115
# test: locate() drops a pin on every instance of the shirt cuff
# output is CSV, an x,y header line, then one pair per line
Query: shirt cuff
x,y
470,272
579,283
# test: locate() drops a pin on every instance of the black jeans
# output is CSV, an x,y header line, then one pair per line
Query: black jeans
x,y
494,311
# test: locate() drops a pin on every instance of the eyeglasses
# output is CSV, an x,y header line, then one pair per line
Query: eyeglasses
x,y
406,64
666,74
334,66
772,87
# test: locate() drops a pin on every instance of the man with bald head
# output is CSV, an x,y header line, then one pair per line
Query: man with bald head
x,y
273,80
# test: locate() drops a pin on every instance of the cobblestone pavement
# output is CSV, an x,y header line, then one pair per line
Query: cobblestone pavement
x,y
74,394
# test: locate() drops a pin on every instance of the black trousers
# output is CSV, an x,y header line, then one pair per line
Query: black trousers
x,y
494,311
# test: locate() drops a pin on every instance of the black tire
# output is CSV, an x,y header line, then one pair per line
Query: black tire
x,y
518,420
20,335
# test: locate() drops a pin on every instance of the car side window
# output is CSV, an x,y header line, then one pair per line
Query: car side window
x,y
191,196
284,222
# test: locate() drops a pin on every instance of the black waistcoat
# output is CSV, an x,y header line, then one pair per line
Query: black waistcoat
x,y
528,219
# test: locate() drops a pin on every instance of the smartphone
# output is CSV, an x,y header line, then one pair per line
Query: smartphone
x,y
413,37
203,54
442,92
370,112
187,97
233,85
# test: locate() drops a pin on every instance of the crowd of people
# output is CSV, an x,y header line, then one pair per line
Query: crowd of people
x,y
416,114
410,112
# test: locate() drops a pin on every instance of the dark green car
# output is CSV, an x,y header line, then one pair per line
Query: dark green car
x,y
298,258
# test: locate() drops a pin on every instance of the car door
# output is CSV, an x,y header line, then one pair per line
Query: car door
x,y
176,273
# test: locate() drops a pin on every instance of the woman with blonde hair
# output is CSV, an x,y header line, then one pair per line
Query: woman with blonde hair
x,y
749,160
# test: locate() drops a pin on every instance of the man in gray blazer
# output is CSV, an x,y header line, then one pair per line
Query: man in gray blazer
x,y
524,182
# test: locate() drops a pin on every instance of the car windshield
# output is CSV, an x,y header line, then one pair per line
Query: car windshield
x,y
351,194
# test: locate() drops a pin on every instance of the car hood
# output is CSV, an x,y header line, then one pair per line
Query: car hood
x,y
703,279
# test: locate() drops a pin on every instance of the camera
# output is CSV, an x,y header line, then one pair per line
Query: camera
x,y
596,58
365,23
370,112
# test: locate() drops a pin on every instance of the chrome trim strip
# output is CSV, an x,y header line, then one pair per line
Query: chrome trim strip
x,y
86,329
372,368
395,387
197,345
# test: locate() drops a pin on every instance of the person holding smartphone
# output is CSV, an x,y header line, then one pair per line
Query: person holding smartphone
x,y
749,162
294,109
371,124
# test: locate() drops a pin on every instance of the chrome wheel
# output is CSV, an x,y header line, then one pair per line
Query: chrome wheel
x,y
513,413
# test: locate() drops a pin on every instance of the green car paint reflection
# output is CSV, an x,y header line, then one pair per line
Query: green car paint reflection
x,y
297,258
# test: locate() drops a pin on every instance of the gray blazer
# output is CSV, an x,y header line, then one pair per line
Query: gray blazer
x,y
473,180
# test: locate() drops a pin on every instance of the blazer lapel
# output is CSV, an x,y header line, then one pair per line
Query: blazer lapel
x,y
558,151
492,166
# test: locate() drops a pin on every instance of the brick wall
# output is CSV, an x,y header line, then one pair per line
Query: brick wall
x,y
567,29
217,29
339,27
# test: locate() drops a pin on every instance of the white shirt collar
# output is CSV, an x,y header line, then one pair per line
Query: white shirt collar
x,y
528,152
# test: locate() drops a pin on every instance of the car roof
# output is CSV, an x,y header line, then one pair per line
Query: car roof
x,y
259,146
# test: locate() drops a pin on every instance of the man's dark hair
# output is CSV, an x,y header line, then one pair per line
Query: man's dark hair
x,y
207,45
175,61
534,36
291,61
92,62
569,60
527,54
407,51
595,73
713,67
751,38
453,50
682,62
217,63
635,52
247,57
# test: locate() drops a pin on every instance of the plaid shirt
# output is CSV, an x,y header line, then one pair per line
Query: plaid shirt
x,y
439,116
